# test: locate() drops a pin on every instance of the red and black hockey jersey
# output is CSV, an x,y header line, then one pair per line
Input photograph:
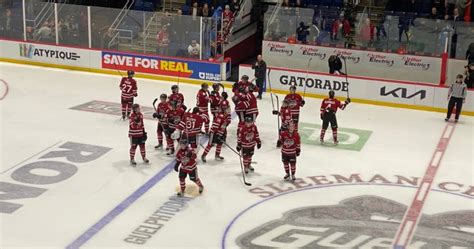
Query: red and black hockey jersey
x,y
128,86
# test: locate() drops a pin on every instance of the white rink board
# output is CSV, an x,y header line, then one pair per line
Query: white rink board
x,y
360,88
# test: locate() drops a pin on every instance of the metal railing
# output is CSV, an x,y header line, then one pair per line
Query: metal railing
x,y
118,21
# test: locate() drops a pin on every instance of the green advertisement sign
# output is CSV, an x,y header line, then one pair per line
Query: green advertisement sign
x,y
349,139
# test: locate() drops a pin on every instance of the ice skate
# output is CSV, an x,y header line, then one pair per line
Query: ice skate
x,y
251,168
133,163
286,177
219,158
201,189
159,146
203,158
145,160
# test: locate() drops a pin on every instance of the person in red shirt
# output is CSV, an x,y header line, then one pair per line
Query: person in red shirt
x,y
244,82
177,96
285,116
202,101
215,99
163,40
329,108
252,110
295,103
291,148
186,158
190,126
224,103
218,134
172,119
128,86
160,114
247,138
242,102
137,134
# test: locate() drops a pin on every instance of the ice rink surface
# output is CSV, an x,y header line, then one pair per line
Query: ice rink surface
x,y
66,182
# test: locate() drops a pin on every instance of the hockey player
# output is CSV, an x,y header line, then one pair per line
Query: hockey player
x,y
224,103
202,101
190,126
290,149
252,110
177,96
186,157
242,102
172,118
244,82
246,140
285,116
329,108
218,134
128,86
295,103
137,134
160,114
215,99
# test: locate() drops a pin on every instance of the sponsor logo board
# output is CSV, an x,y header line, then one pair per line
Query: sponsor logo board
x,y
162,66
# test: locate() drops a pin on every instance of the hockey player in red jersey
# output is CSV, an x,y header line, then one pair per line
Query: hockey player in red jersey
x,y
329,108
285,116
128,86
160,114
247,138
244,82
137,134
177,96
218,134
202,101
215,99
172,118
295,103
290,149
242,102
224,103
252,110
186,158
190,126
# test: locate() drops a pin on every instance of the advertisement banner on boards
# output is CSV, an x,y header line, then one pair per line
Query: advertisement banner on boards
x,y
45,53
192,69
360,62
360,88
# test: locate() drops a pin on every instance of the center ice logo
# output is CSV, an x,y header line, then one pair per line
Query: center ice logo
x,y
358,222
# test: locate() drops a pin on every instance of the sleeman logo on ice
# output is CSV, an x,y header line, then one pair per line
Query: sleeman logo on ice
x,y
26,50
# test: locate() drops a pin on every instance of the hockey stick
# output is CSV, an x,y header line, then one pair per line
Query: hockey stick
x,y
115,65
306,78
241,164
270,86
347,80
278,116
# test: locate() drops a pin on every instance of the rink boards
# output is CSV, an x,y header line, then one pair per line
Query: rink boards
x,y
362,89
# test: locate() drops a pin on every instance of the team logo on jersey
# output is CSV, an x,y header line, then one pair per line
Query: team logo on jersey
x,y
249,136
359,222
289,142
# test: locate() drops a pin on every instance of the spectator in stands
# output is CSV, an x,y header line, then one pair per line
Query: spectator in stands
x,y
470,53
195,10
367,31
285,3
302,33
227,16
449,6
163,40
469,75
6,25
341,25
44,33
335,64
404,27
194,49
434,13
108,41
300,4
235,6
467,10
206,12
381,29
456,16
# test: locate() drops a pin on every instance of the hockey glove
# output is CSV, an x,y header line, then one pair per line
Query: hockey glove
x,y
298,153
176,166
135,95
155,115
348,100
259,145
275,112
176,134
303,102
322,115
239,147
145,137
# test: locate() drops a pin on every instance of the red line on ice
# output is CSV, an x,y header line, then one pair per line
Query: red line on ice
x,y
411,218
